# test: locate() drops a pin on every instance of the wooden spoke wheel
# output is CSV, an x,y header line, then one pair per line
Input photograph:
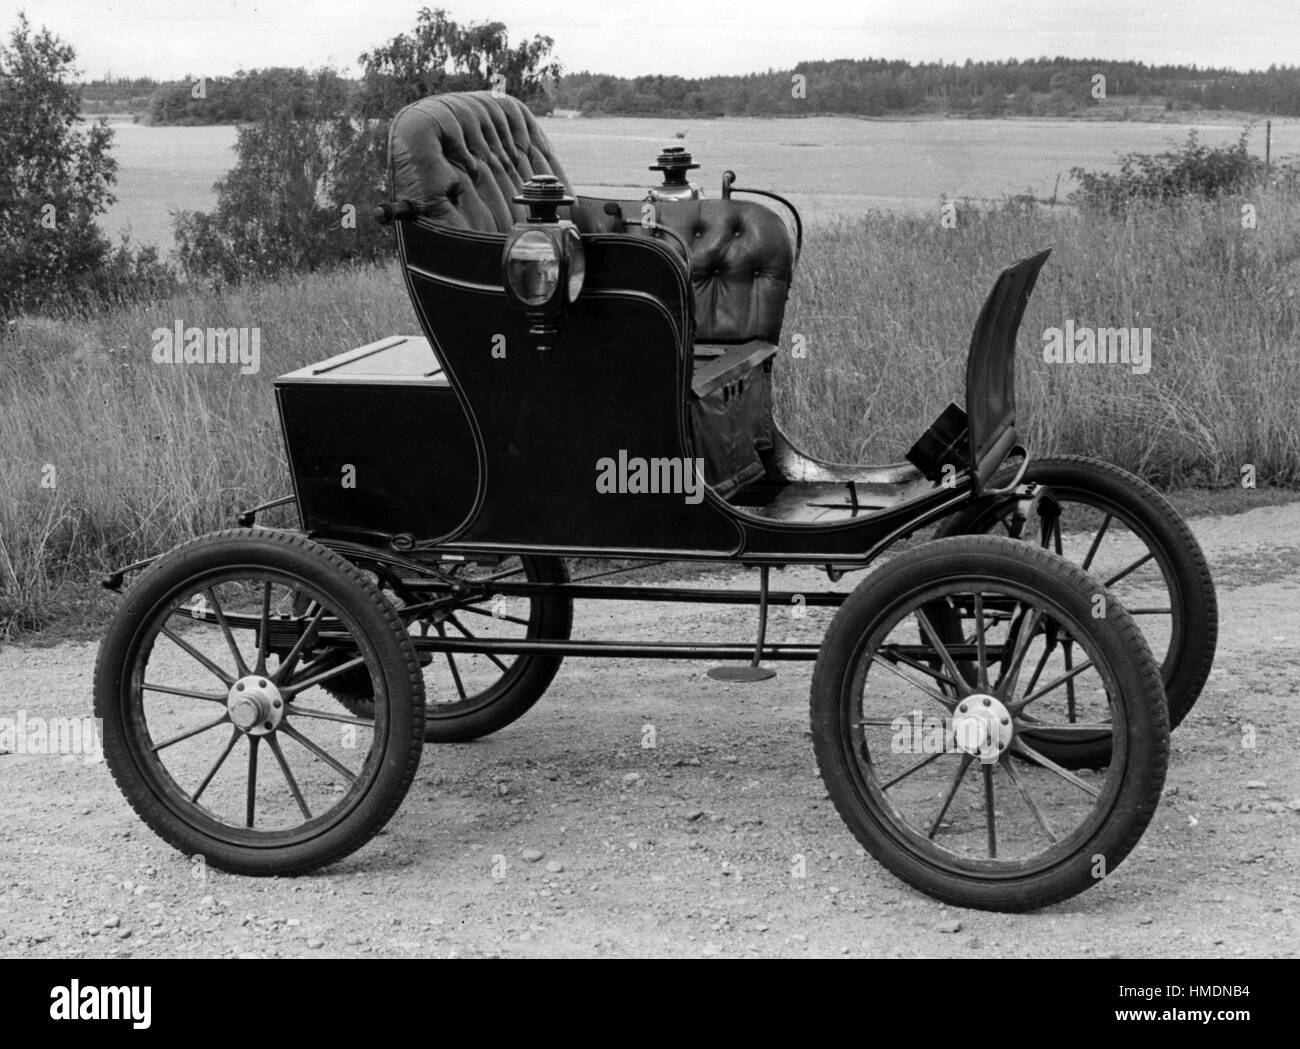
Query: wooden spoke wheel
x,y
927,747
218,724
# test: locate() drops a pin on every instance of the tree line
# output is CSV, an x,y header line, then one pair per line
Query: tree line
x,y
860,87
878,87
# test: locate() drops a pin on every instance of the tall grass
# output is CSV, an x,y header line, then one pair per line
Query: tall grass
x,y
145,455
887,305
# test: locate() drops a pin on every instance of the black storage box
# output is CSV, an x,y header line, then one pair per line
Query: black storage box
x,y
378,443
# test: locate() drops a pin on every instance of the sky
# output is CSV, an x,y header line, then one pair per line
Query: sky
x,y
685,37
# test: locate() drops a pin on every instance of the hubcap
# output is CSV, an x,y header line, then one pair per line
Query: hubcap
x,y
981,726
255,705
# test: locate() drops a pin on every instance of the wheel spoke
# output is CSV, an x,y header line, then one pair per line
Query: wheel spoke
x,y
305,683
1009,767
990,820
1070,675
325,715
193,652
1022,748
1028,625
1078,728
966,759
291,660
252,780
221,758
225,629
945,701
224,719
464,630
981,647
1071,701
264,634
949,663
288,776
500,575
1096,540
326,757
915,767
1038,670
1131,568
895,653
189,693
451,663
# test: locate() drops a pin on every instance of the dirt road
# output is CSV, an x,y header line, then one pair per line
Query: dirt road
x,y
686,848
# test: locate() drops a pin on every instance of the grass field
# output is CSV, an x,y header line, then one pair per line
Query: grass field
x,y
106,457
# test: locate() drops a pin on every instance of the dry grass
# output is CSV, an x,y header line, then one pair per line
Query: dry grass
x,y
147,455
888,305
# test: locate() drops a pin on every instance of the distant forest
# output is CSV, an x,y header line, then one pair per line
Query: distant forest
x,y
858,87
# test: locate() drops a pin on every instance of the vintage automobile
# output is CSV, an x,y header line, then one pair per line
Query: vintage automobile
x,y
592,386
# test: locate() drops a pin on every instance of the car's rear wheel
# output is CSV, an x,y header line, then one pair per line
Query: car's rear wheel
x,y
469,695
1127,536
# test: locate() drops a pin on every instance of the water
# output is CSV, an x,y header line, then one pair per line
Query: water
x,y
830,166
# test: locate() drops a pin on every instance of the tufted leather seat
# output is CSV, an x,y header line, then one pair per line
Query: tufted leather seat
x,y
461,158
742,262
741,267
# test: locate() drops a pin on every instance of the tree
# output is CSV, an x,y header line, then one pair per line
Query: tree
x,y
54,178
1022,101
311,164
298,197
441,55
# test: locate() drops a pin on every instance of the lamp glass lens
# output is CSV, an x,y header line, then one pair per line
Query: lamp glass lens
x,y
533,267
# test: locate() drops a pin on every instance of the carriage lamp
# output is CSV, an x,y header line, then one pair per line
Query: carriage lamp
x,y
674,162
544,261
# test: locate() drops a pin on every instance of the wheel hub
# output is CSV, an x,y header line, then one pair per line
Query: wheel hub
x,y
255,705
981,726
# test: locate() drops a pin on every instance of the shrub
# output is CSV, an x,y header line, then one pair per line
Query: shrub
x,y
1192,170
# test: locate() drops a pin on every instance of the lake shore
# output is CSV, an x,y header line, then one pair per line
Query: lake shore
x,y
833,168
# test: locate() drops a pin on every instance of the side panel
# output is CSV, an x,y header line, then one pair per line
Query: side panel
x,y
611,389
550,424
378,460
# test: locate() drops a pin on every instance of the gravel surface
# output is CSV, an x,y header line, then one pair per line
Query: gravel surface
x,y
565,835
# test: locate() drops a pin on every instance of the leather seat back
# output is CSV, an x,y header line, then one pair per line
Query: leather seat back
x,y
741,258
741,267
461,158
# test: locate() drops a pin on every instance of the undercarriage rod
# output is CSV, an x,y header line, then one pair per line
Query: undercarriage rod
x,y
669,649
813,599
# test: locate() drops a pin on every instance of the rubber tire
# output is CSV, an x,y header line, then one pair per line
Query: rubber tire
x,y
354,593
1136,675
506,700
1186,669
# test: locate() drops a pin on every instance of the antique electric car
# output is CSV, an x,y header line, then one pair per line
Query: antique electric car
x,y
592,386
